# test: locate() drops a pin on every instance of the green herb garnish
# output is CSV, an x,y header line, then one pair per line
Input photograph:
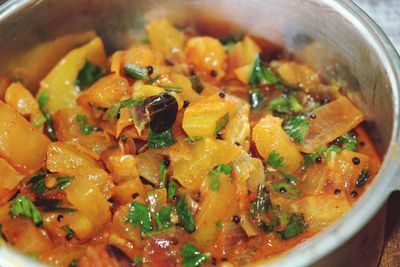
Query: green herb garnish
x,y
214,177
185,216
85,127
194,138
287,190
63,182
262,203
295,226
285,104
192,256
136,72
139,215
276,160
221,123
23,206
297,127
163,217
349,141
42,100
88,75
260,74
159,140
172,88
172,189
113,111
163,168
219,225
137,260
69,231
37,182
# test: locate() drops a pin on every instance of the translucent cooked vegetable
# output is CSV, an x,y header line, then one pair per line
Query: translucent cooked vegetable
x,y
331,121
207,56
60,83
21,143
208,116
275,146
184,150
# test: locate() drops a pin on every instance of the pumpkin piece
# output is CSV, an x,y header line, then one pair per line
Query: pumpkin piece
x,y
104,93
193,169
22,233
243,53
141,55
9,181
322,210
213,209
122,166
20,99
203,118
65,158
83,194
182,82
269,137
164,37
296,74
125,191
21,144
68,130
207,55
337,173
243,73
148,164
60,83
332,120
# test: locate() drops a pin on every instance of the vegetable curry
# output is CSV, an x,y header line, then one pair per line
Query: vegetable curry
x,y
183,150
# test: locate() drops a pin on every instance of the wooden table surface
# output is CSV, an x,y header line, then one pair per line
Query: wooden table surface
x,y
387,14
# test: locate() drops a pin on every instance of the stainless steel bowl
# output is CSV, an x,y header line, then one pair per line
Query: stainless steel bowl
x,y
344,42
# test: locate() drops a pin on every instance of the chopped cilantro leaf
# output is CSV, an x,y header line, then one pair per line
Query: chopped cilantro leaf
x,y
231,40
290,179
39,121
172,189
88,75
261,204
63,182
185,216
192,257
159,140
137,260
85,127
260,74
295,226
214,177
163,168
37,182
42,100
172,88
219,225
23,206
287,190
113,111
331,150
163,217
136,72
297,127
349,141
276,160
257,101
221,123
139,215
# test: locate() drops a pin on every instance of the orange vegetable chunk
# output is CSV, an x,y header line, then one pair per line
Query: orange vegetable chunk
x,y
21,144
333,120
9,181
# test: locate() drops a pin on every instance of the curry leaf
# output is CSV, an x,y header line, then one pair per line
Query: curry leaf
x,y
276,160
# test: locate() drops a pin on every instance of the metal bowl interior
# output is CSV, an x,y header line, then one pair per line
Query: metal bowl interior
x,y
335,37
